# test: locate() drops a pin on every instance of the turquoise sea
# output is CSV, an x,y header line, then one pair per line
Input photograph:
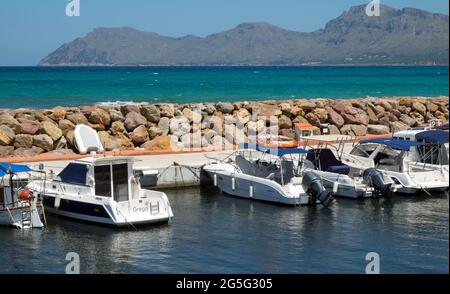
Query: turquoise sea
x,y
40,87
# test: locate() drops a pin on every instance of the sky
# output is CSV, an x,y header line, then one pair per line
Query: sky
x,y
29,30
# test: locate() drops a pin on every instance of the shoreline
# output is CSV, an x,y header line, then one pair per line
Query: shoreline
x,y
26,133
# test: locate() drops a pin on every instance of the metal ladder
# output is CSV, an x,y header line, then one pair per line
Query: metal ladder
x,y
26,218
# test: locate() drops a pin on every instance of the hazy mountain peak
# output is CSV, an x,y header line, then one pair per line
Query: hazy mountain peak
x,y
406,36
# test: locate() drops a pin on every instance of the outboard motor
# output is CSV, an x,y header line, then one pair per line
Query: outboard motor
x,y
375,178
313,186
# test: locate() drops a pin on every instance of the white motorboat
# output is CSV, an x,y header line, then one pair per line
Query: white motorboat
x,y
267,175
19,206
104,190
415,160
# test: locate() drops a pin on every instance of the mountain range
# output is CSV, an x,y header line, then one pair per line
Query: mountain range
x,y
406,36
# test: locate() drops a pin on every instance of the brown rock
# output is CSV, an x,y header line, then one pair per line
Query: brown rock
x,y
133,120
408,120
284,122
23,141
58,113
300,119
101,117
10,121
420,120
28,152
117,127
77,118
122,142
334,118
168,110
69,137
116,115
125,109
87,110
151,113
65,126
50,129
420,108
307,105
29,127
378,129
321,114
155,132
107,140
159,143
373,119
43,141
432,107
225,107
7,135
288,133
6,151
139,135
406,101
313,119
264,110
333,130
398,126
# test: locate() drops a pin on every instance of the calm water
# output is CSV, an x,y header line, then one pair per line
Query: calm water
x,y
39,87
212,233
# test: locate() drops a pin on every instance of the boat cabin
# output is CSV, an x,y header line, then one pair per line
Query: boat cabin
x,y
13,177
110,177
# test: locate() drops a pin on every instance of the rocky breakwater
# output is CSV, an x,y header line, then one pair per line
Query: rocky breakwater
x,y
27,132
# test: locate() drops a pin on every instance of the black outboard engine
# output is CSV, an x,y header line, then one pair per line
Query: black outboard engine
x,y
375,179
313,186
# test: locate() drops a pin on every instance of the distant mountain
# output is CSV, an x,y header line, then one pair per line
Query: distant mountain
x,y
407,36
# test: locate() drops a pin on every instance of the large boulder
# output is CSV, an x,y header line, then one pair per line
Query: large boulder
x,y
7,135
116,115
43,141
58,113
321,114
100,117
77,118
225,107
378,129
408,120
139,135
65,126
313,119
192,116
107,140
334,118
133,120
284,122
167,110
125,109
159,143
398,126
155,132
420,108
28,152
51,129
23,141
6,151
10,121
151,113
164,125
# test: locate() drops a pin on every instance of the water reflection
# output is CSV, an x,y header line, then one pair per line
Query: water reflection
x,y
213,233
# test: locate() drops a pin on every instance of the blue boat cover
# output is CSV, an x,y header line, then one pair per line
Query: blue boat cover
x,y
274,151
325,160
433,137
6,168
396,144
74,173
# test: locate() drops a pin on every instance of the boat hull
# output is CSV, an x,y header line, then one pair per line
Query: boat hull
x,y
97,213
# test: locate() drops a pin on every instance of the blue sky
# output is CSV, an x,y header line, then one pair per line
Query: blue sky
x,y
29,30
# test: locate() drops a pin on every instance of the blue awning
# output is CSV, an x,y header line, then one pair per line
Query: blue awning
x,y
433,137
274,151
7,168
396,144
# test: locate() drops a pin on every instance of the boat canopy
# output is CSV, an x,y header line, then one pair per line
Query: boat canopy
x,y
433,137
280,152
7,168
74,173
396,144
